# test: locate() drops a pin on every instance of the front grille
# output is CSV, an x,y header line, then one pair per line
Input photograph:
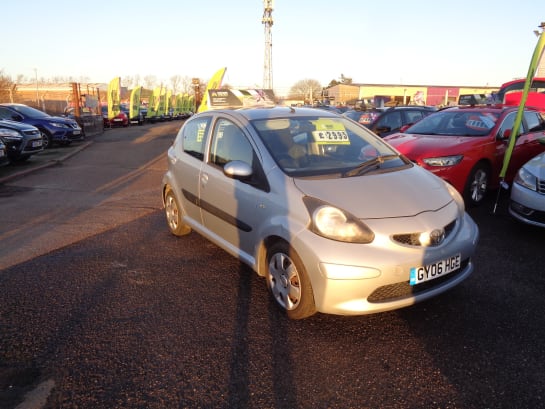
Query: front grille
x,y
413,239
541,186
404,289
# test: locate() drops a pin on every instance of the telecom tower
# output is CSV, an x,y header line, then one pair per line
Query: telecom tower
x,y
267,65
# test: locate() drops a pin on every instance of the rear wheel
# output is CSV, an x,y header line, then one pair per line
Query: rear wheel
x,y
288,281
477,184
173,215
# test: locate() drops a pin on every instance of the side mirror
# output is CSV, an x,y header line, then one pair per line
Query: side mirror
x,y
404,128
506,134
16,117
237,169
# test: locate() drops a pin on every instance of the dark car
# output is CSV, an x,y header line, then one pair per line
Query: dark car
x,y
21,140
387,121
53,129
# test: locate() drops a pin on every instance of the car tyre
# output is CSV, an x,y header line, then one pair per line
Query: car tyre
x,y
47,141
288,281
173,215
477,185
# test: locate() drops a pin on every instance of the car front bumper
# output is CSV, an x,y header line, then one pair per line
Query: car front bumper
x,y
355,279
527,206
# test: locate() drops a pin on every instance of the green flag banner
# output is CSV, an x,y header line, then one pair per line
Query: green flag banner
x,y
518,119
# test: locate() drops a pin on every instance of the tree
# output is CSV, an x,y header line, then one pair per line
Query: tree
x,y
175,83
345,80
7,88
307,90
150,81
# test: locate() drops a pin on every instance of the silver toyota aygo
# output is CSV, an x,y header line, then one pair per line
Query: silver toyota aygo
x,y
334,218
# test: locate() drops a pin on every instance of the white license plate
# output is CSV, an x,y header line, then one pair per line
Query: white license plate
x,y
434,270
76,132
35,144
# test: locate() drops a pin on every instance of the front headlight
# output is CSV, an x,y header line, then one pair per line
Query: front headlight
x,y
336,224
57,125
526,179
444,160
10,135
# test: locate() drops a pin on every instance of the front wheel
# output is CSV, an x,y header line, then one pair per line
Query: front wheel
x,y
47,141
173,215
477,185
288,281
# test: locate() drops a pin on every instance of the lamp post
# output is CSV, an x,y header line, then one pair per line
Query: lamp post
x,y
37,94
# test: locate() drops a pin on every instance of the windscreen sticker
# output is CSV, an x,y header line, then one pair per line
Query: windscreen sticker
x,y
367,118
480,122
330,132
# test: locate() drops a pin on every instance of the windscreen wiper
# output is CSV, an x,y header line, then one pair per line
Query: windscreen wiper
x,y
368,165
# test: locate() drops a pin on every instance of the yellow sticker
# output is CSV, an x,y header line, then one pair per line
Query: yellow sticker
x,y
329,132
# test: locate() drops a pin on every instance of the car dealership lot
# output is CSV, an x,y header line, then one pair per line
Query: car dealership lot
x,y
117,312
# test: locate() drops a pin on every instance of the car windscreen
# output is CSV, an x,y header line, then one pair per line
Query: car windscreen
x,y
323,145
456,122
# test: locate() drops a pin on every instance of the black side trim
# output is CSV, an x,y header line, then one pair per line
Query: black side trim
x,y
216,211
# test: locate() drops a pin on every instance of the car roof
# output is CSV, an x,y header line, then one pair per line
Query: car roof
x,y
497,108
274,112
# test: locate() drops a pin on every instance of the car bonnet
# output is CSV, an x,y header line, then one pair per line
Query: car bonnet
x,y
392,194
414,145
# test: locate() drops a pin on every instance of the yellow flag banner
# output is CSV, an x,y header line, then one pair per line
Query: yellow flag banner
x,y
114,94
214,83
134,109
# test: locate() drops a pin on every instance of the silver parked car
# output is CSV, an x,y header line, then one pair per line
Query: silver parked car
x,y
332,216
527,202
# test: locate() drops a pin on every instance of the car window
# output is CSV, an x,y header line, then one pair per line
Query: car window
x,y
194,136
413,116
390,120
229,144
534,121
5,114
507,123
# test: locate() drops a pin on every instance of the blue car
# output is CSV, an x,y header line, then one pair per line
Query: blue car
x,y
21,140
54,129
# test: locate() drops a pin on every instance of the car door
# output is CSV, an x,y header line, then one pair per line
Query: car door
x,y
230,207
187,161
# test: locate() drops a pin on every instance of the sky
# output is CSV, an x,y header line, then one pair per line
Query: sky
x,y
416,42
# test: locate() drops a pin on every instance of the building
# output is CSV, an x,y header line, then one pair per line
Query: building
x,y
401,94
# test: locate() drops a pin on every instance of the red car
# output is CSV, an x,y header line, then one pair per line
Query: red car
x,y
121,119
466,145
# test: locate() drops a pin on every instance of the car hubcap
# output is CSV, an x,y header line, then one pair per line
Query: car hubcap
x,y
284,281
478,186
171,211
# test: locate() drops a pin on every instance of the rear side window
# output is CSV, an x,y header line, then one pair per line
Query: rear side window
x,y
194,134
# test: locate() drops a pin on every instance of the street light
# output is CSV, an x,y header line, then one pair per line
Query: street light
x,y
37,95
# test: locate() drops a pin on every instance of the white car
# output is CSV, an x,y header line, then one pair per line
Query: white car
x,y
332,216
527,202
